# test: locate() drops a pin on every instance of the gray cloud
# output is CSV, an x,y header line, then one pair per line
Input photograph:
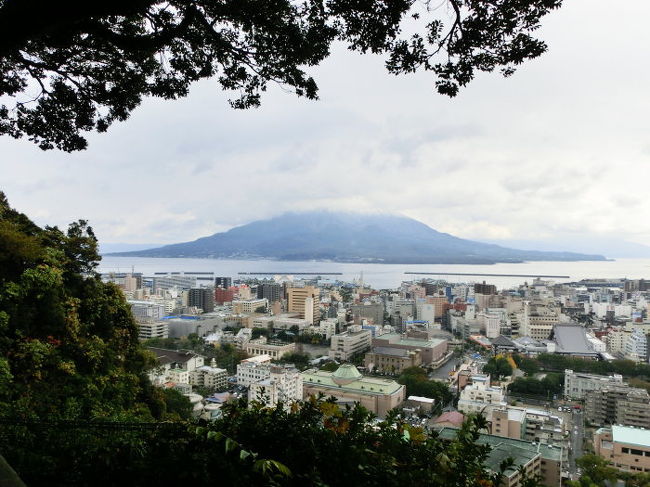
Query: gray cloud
x,y
560,148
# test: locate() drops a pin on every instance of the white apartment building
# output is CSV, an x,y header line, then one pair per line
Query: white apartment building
x,y
537,321
597,344
283,384
354,340
207,376
616,340
253,369
577,384
146,310
328,327
174,366
481,397
156,329
491,323
636,347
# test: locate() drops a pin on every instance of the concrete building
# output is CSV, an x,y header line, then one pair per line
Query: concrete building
x,y
534,425
328,327
210,377
616,339
201,297
281,322
537,320
226,295
283,384
154,329
636,347
173,281
147,311
273,291
305,301
354,340
431,350
618,404
348,386
627,448
253,369
577,384
174,366
275,349
370,311
481,398
222,282
248,306
536,459
391,360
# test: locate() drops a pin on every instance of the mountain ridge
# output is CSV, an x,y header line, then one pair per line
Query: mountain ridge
x,y
349,237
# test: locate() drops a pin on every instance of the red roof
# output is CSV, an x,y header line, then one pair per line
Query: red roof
x,y
453,417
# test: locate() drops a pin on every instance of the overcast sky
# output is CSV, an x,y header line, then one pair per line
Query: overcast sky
x,y
562,148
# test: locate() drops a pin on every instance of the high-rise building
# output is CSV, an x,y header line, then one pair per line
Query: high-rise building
x,y
271,291
222,296
201,297
223,282
304,300
485,288
370,311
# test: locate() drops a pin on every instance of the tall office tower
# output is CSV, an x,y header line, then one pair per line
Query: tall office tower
x,y
298,302
202,297
271,291
224,282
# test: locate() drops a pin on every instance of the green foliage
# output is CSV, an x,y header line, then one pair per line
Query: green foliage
x,y
94,63
260,309
329,447
330,367
528,366
300,360
312,338
418,384
558,363
498,368
68,341
177,405
552,384
258,332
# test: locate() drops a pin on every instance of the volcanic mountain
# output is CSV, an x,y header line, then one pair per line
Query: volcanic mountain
x,y
349,237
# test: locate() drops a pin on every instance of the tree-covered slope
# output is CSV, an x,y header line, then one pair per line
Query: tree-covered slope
x,y
349,237
68,343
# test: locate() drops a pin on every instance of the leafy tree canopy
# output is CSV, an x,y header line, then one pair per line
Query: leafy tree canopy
x,y
498,367
418,384
314,443
72,67
68,343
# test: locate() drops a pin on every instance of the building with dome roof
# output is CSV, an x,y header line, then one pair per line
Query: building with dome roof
x,y
377,394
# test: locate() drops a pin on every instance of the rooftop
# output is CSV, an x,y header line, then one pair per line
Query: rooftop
x,y
631,436
363,384
572,338
395,352
398,339
172,356
521,451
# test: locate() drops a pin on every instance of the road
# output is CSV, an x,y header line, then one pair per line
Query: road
x,y
577,438
443,371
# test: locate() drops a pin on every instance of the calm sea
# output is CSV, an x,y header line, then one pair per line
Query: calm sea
x,y
386,276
